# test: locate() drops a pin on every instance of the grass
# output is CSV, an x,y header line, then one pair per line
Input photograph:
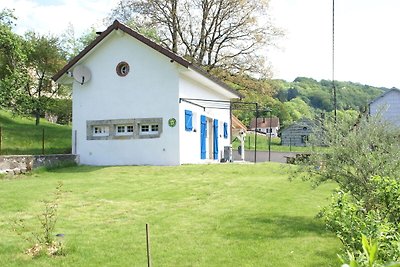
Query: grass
x,y
199,215
263,142
20,136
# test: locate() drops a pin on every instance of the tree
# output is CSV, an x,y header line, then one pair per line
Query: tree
x,y
71,45
228,34
44,59
13,71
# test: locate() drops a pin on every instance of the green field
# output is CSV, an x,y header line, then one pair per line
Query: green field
x,y
203,215
20,136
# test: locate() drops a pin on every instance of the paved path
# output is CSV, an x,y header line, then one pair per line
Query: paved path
x,y
263,156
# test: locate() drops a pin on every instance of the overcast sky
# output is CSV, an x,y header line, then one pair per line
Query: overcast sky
x,y
367,39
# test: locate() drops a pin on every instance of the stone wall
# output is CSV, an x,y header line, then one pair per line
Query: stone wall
x,y
24,163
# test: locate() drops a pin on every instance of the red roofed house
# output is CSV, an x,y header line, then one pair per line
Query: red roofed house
x,y
265,124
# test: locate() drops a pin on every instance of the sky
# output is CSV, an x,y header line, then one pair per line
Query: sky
x,y
367,39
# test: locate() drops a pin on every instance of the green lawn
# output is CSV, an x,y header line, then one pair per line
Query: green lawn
x,y
20,136
199,215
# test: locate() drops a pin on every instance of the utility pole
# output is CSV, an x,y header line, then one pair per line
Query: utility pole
x,y
333,60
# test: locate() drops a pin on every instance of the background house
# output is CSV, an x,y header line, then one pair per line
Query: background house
x,y
297,134
265,124
387,105
133,104
237,126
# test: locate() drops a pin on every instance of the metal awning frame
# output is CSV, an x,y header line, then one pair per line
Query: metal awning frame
x,y
231,105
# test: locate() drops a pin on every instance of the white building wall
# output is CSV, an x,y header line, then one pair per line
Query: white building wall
x,y
387,106
150,90
190,141
266,131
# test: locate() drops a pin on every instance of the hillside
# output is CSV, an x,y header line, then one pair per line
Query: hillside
x,y
21,136
304,97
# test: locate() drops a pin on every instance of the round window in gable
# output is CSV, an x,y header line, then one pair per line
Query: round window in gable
x,y
122,69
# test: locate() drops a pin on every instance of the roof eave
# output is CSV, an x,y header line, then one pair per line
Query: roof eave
x,y
220,83
119,26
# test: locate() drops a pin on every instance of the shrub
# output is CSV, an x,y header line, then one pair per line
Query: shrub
x,y
363,160
349,219
43,241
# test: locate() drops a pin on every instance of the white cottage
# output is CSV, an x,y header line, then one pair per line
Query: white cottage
x,y
388,106
137,103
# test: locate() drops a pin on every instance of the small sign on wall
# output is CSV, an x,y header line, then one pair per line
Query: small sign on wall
x,y
172,122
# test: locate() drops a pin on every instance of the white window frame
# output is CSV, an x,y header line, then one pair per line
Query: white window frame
x,y
125,130
100,130
150,130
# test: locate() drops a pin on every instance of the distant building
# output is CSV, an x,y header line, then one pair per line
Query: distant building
x,y
297,134
237,126
387,105
264,125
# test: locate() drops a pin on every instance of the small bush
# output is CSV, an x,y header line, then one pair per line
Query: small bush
x,y
43,240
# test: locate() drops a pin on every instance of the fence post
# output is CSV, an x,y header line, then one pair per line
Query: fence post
x,y
42,141
148,245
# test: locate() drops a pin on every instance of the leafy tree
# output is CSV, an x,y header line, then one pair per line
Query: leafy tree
x,y
297,109
7,17
44,59
13,71
358,150
227,34
71,44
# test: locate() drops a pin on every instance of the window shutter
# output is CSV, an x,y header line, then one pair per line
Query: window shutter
x,y
188,120
225,130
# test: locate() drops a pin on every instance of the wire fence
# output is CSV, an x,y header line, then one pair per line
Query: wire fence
x,y
40,141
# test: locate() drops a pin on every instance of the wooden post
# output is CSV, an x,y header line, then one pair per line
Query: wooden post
x,y
148,245
42,141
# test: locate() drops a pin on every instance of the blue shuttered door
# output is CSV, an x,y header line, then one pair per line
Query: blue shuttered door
x,y
215,139
203,136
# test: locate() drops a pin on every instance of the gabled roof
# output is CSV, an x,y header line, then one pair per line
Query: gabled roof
x,y
237,124
384,94
304,122
265,122
173,57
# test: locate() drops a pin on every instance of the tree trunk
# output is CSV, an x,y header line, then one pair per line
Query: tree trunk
x,y
37,117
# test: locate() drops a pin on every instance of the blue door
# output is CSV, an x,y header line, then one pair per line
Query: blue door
x,y
203,136
215,146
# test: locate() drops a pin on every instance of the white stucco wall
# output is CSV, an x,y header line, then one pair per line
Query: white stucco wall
x,y
190,141
387,106
150,90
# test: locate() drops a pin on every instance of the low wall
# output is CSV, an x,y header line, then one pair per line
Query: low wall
x,y
24,163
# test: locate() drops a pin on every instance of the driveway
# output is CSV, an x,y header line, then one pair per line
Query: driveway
x,y
263,156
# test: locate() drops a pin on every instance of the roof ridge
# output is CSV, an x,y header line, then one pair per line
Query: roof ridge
x,y
116,25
